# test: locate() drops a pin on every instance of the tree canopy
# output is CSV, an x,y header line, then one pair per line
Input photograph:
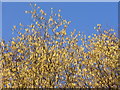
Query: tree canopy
x,y
43,55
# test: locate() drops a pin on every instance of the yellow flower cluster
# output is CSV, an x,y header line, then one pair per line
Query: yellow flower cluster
x,y
38,58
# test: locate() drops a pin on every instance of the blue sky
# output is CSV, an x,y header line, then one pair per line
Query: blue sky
x,y
60,0
84,15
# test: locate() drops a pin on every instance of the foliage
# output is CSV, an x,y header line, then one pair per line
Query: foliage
x,y
43,55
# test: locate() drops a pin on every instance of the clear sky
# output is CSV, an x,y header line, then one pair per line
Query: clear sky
x,y
84,15
59,0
